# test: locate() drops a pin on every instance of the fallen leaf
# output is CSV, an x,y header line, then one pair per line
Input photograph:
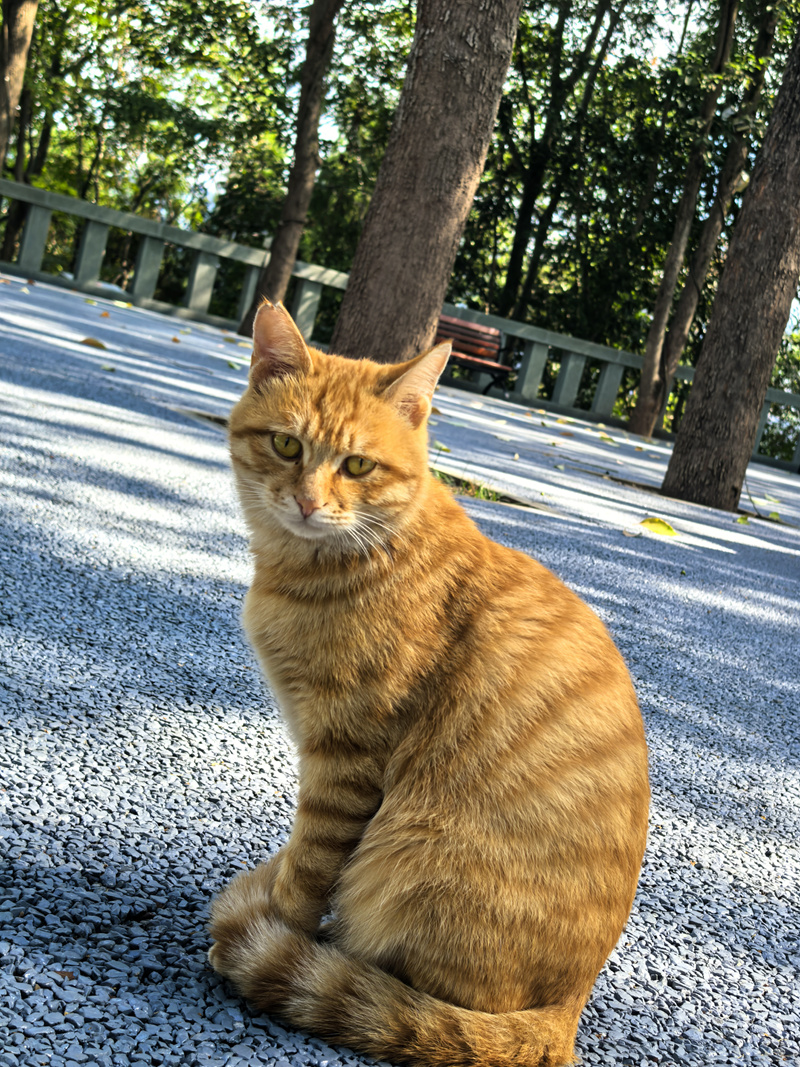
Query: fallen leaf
x,y
638,448
516,455
774,515
232,365
107,366
122,304
435,411
560,467
632,533
502,437
231,340
105,314
177,340
89,300
92,342
566,433
771,499
187,330
743,520
658,526
567,422
25,289
608,440
244,344
440,446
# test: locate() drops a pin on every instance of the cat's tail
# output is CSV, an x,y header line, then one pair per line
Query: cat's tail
x,y
317,987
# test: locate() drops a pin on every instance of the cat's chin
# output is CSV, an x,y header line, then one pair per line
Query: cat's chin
x,y
309,529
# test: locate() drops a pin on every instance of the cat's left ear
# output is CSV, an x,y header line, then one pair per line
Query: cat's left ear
x,y
412,393
278,345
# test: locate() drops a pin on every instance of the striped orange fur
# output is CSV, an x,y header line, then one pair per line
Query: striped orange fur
x,y
473,770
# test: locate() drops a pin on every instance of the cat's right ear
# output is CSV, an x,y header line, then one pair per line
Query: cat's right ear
x,y
278,345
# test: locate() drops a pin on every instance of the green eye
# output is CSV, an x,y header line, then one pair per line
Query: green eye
x,y
358,465
286,446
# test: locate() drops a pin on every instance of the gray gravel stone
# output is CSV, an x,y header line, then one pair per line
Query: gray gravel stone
x,y
143,763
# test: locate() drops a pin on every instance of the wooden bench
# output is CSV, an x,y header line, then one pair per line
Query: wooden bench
x,y
475,348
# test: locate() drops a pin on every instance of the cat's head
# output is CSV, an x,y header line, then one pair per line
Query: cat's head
x,y
330,451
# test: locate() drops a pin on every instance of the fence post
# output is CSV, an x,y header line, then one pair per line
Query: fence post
x,y
762,425
90,252
201,281
569,378
304,306
148,267
534,360
605,395
34,238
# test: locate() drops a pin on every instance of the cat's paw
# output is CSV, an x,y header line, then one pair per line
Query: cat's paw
x,y
261,956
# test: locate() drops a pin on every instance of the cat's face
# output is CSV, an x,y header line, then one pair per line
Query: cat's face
x,y
329,450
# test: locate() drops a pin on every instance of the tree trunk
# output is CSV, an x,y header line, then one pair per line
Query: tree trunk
x,y
651,385
750,313
18,19
729,179
572,153
274,279
426,184
540,151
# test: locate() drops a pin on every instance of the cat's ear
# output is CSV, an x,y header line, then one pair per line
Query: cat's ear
x,y
278,345
412,392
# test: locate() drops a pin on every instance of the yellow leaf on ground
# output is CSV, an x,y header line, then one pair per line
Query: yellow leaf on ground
x,y
442,448
744,520
92,342
122,304
435,411
658,526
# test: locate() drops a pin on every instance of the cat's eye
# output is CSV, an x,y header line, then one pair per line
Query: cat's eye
x,y
358,465
286,446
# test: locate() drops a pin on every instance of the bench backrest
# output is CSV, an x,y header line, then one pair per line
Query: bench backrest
x,y
469,338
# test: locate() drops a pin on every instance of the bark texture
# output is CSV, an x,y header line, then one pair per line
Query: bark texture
x,y
433,162
750,313
15,42
651,385
274,279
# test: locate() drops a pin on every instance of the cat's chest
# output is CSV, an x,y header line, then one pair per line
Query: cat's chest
x,y
327,657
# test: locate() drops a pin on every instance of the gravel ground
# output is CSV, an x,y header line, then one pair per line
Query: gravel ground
x,y
142,761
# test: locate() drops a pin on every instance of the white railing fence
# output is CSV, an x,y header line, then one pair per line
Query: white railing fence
x,y
577,371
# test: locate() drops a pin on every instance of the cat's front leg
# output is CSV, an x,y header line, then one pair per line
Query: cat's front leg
x,y
339,793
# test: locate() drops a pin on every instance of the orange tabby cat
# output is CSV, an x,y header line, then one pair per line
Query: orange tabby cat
x,y
473,770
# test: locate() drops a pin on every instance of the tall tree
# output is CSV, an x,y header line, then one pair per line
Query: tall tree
x,y
274,279
15,42
426,184
728,182
648,403
566,73
750,313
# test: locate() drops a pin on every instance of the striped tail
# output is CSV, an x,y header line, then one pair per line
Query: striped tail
x,y
349,1002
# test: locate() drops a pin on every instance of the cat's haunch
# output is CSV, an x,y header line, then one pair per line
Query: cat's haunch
x,y
473,787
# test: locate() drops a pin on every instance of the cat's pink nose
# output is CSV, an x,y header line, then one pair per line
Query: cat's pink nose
x,y
306,505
